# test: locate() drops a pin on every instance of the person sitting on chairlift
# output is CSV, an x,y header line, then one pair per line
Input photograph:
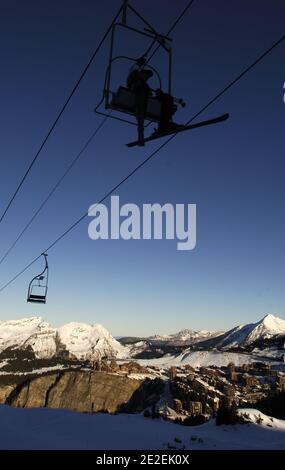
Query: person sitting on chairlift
x,y
167,110
137,82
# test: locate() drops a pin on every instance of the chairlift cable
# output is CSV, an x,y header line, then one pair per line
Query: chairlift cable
x,y
222,92
59,116
71,165
55,187
188,6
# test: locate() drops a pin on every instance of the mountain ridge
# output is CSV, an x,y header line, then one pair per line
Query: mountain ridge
x,y
245,335
91,342
80,340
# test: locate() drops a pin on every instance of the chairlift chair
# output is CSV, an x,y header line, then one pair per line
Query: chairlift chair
x,y
122,100
37,291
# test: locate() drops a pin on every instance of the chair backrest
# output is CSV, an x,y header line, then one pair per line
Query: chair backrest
x,y
124,101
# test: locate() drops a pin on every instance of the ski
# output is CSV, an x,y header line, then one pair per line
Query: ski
x,y
182,128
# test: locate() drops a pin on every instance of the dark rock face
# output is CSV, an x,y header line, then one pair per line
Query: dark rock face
x,y
92,391
145,396
32,393
5,391
83,391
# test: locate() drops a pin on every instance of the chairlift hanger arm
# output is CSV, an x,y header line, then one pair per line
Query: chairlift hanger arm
x,y
162,40
158,35
45,270
124,11
46,266
145,32
149,26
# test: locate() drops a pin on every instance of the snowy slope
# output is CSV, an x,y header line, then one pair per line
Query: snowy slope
x,y
244,335
201,359
89,341
45,428
255,416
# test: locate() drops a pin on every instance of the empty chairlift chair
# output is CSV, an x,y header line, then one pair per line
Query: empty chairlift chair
x,y
38,286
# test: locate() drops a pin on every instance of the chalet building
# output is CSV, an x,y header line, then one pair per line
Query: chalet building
x,y
205,390
177,406
191,376
246,367
210,372
253,397
195,408
249,381
214,403
233,376
280,382
200,385
231,367
228,390
172,372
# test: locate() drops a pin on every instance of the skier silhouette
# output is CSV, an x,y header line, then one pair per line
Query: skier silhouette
x,y
137,82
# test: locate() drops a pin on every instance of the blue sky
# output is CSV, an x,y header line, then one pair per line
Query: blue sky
x,y
234,171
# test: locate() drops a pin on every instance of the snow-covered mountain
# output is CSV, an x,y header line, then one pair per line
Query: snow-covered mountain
x,y
245,335
86,341
191,336
268,333
81,340
186,336
32,332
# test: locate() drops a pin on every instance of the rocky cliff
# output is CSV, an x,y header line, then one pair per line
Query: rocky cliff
x,y
83,391
75,390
